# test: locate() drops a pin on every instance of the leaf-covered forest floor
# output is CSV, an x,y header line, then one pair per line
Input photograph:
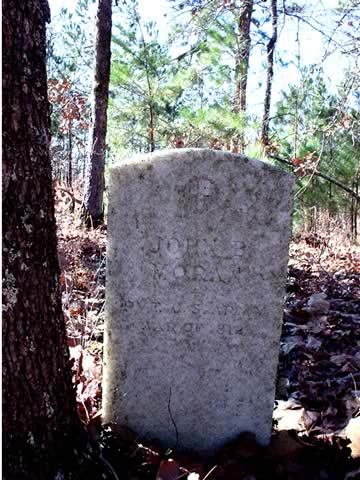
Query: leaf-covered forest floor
x,y
317,416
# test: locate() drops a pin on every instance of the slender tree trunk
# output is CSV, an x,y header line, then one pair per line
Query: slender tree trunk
x,y
242,60
41,428
70,174
151,126
151,129
93,212
354,207
270,74
150,99
356,211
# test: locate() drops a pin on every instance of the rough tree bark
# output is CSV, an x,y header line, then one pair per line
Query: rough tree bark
x,y
41,428
270,74
242,59
93,212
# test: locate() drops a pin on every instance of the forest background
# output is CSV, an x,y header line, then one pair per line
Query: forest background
x,y
216,76
274,80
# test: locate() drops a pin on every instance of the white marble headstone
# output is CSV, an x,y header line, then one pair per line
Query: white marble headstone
x,y
196,270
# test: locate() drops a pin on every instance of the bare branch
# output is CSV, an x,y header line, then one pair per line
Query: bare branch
x,y
321,175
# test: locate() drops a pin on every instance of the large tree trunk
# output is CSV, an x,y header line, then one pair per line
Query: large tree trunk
x,y
242,59
41,428
93,212
270,74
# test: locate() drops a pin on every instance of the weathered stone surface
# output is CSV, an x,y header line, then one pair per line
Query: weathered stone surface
x,y
197,255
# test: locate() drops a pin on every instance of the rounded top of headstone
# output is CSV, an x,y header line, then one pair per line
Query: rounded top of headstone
x,y
190,155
